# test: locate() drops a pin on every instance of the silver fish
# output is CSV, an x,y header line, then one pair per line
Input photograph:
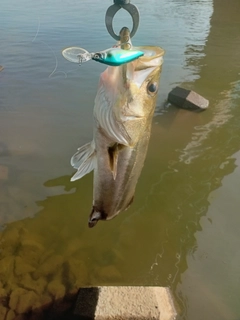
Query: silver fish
x,y
123,111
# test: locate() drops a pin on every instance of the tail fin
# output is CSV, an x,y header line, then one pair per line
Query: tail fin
x,y
84,160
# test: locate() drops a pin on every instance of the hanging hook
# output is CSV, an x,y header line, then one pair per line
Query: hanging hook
x,y
113,9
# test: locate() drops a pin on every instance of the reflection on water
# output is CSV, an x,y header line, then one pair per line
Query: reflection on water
x,y
182,229
222,115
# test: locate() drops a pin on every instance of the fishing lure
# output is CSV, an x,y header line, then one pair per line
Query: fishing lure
x,y
116,56
112,56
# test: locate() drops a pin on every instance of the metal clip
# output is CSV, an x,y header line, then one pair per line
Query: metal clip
x,y
113,9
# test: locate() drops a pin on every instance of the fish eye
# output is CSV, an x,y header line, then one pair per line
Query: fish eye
x,y
152,88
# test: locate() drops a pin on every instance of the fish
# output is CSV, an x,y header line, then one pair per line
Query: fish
x,y
123,112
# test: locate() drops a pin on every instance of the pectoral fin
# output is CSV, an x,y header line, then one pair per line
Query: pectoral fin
x,y
84,160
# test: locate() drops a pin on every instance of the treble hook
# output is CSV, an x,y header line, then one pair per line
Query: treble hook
x,y
113,9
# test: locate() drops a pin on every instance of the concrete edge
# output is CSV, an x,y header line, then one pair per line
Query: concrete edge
x,y
126,303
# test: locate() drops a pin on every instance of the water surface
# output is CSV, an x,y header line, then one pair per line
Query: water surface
x,y
182,229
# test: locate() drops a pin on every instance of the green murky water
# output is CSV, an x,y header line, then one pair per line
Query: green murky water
x,y
182,230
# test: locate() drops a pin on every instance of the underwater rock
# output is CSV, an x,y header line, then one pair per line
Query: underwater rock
x,y
2,293
78,273
3,312
56,289
46,255
1,68
31,250
33,278
109,273
13,302
22,300
6,268
187,99
49,267
9,242
43,303
10,315
38,286
74,246
3,296
21,267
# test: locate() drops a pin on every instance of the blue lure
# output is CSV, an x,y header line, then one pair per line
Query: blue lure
x,y
116,57
112,57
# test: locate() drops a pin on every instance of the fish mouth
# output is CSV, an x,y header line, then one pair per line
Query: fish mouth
x,y
92,223
95,216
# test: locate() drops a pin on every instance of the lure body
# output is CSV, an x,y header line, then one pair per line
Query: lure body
x,y
116,57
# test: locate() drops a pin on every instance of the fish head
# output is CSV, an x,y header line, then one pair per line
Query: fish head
x,y
130,91
140,79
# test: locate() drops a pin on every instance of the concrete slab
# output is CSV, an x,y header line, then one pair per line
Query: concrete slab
x,y
125,303
187,99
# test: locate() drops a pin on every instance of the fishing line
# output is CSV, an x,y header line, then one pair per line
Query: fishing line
x,y
37,30
178,256
159,255
155,263
162,176
56,60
